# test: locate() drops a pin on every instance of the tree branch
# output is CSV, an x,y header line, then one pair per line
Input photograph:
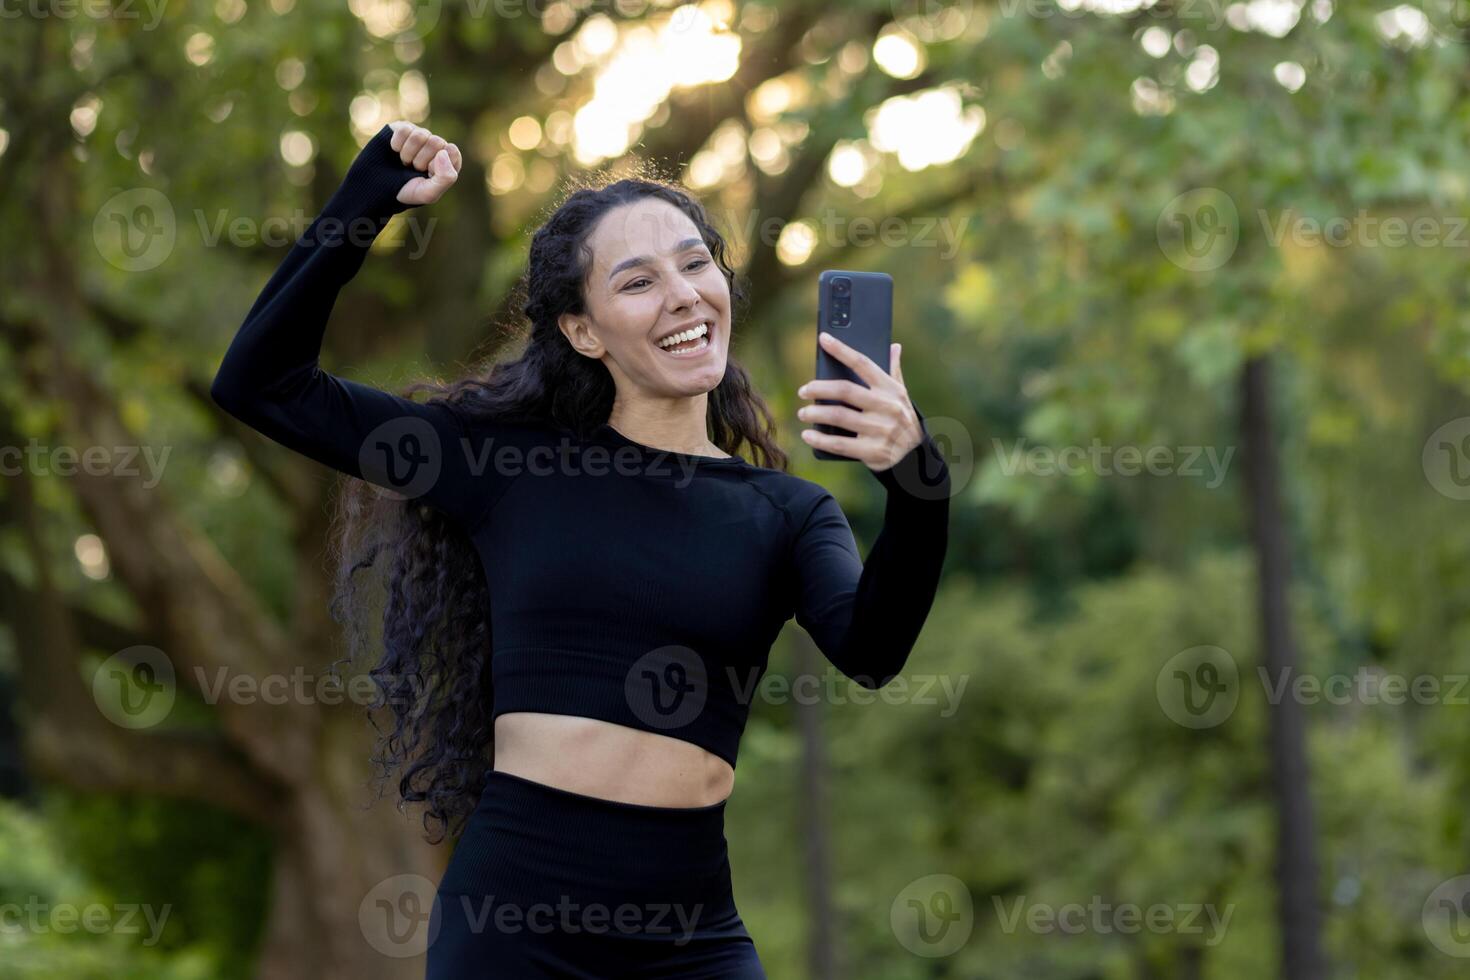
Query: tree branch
x,y
108,759
66,739
205,616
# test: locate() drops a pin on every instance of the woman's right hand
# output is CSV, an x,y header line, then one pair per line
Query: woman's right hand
x,y
424,151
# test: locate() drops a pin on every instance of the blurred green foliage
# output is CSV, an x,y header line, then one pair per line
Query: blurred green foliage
x,y
103,887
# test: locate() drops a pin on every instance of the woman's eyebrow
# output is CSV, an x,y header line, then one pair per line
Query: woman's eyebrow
x,y
644,260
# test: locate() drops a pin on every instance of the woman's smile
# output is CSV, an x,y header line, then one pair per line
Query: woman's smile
x,y
692,341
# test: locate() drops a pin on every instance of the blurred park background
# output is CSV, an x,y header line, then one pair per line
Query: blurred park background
x,y
1181,288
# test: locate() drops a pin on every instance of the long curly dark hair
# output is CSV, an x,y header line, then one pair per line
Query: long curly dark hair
x,y
409,571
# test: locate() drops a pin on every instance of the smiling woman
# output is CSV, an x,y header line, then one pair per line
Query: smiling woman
x,y
565,642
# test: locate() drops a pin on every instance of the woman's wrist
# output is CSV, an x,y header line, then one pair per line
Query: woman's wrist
x,y
921,473
365,201
370,187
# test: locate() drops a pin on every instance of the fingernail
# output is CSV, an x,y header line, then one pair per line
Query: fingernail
x,y
801,391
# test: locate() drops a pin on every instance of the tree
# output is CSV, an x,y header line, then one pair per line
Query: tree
x,y
85,338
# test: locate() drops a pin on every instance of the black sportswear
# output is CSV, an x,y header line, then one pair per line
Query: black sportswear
x,y
628,584
546,883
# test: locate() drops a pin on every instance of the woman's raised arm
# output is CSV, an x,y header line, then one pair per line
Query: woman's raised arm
x,y
270,378
866,616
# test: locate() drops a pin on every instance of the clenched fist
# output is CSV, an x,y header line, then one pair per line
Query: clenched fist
x,y
422,150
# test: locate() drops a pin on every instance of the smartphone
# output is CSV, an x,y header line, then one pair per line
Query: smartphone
x,y
857,308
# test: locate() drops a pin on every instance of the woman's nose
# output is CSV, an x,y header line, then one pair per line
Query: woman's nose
x,y
682,294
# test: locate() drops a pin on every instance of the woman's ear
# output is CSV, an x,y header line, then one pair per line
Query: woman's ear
x,y
578,331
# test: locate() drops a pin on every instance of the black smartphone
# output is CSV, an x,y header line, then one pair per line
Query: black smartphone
x,y
856,308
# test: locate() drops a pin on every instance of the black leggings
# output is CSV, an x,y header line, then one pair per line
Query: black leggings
x,y
548,883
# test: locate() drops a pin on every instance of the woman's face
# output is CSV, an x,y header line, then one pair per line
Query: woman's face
x,y
652,276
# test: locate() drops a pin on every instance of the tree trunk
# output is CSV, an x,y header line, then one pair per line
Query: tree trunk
x,y
352,885
1299,917
352,879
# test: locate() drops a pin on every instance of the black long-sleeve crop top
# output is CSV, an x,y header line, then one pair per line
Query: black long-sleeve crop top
x,y
627,583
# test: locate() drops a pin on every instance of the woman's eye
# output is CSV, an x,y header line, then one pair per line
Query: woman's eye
x,y
634,283
697,264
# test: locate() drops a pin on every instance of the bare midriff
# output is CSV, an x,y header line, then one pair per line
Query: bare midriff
x,y
608,761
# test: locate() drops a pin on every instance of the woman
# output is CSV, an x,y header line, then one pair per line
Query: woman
x,y
582,511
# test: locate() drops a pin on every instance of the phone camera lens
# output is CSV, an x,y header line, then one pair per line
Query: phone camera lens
x,y
841,286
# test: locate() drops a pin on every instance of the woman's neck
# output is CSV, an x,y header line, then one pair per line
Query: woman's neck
x,y
676,425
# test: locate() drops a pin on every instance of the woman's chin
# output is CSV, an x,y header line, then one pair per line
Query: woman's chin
x,y
699,375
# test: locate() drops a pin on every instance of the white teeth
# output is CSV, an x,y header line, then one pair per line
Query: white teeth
x,y
684,335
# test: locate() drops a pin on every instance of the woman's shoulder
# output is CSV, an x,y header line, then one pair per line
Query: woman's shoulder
x,y
793,494
477,421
